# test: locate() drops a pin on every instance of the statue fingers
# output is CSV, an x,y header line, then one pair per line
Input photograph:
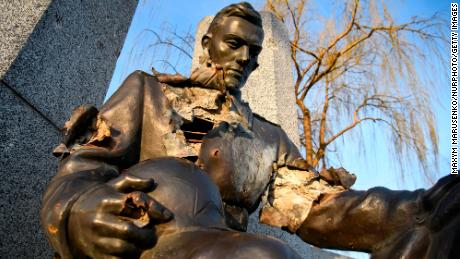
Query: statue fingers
x,y
127,183
124,229
146,204
137,205
115,204
338,176
158,212
111,247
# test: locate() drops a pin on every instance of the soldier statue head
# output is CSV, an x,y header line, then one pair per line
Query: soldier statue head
x,y
233,43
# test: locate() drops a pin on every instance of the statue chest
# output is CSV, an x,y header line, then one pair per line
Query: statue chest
x,y
216,132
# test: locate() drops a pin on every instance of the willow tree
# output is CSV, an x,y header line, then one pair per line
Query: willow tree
x,y
357,65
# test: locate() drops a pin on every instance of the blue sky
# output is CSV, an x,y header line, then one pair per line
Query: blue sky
x,y
376,168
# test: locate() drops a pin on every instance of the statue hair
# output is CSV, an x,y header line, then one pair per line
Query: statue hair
x,y
243,10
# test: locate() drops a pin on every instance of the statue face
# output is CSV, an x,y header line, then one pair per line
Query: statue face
x,y
235,45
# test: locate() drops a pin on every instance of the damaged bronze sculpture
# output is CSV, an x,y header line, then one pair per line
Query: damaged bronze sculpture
x,y
170,167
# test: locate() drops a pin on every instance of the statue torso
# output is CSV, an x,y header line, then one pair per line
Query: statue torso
x,y
207,120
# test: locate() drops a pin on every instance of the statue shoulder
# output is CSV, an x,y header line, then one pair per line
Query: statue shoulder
x,y
139,76
135,80
176,80
170,79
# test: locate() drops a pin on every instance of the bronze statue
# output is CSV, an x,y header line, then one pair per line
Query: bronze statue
x,y
104,202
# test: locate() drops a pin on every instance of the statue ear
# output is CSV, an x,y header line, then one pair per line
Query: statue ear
x,y
205,57
205,41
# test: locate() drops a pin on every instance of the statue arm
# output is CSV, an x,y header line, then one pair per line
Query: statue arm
x,y
61,194
112,144
378,220
339,218
360,220
80,170
412,224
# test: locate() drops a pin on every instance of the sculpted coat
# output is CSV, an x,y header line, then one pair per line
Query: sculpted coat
x,y
139,123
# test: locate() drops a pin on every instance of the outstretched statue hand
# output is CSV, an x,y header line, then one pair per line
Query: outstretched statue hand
x,y
111,220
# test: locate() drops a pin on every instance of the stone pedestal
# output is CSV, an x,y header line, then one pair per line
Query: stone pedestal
x,y
54,56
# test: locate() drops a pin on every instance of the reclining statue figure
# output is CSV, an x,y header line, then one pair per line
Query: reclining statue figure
x,y
170,167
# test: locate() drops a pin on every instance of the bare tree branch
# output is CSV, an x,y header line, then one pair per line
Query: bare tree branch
x,y
369,58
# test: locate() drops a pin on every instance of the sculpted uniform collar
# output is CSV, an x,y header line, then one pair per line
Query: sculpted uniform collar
x,y
210,81
186,97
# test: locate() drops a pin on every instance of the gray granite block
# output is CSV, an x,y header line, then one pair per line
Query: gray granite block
x,y
70,56
270,88
17,21
26,165
56,55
